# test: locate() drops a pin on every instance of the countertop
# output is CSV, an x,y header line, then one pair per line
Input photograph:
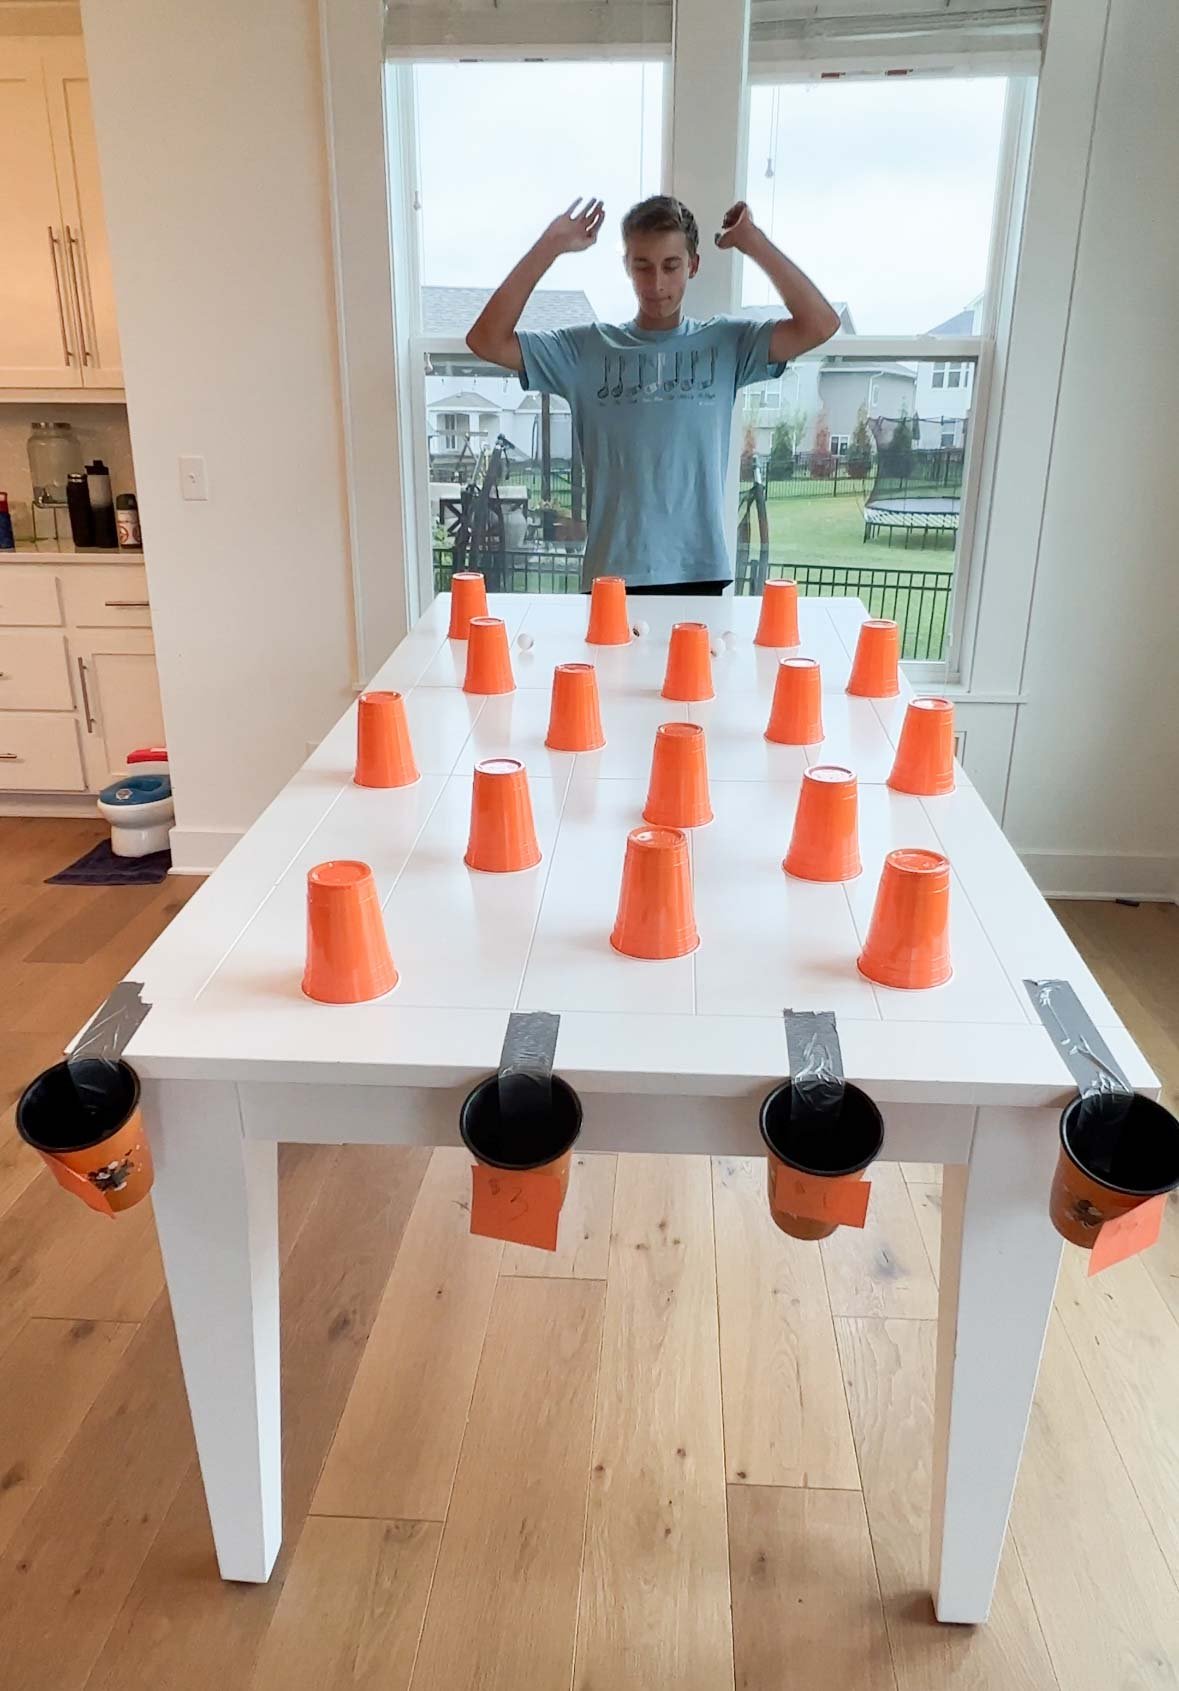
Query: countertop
x,y
26,553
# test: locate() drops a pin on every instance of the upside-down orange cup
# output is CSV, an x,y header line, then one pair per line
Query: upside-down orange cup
x,y
609,624
489,663
825,843
522,1166
575,717
468,598
1111,1160
655,915
82,1117
348,957
908,944
689,663
678,793
384,751
875,673
819,1158
796,715
924,763
503,833
778,623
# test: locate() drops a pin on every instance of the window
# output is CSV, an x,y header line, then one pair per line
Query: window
x,y
896,229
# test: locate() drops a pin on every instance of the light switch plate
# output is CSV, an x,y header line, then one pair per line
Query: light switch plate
x,y
194,479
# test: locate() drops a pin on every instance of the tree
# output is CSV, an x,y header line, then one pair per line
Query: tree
x,y
897,456
859,452
748,453
822,458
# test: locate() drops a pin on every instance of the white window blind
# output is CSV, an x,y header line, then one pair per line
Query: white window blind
x,y
426,29
882,37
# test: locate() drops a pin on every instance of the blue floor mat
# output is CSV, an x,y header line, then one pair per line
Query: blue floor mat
x,y
101,868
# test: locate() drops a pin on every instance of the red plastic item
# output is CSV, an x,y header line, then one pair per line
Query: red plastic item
x,y
796,715
678,794
489,663
825,844
908,944
348,957
608,621
924,763
689,663
655,915
148,754
468,598
778,623
874,671
503,834
575,718
384,752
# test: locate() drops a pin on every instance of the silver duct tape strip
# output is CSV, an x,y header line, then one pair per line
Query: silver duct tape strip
x,y
526,1063
110,1030
816,1064
1090,1061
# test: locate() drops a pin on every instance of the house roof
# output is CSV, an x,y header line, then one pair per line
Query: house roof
x,y
867,367
768,314
468,400
451,311
962,322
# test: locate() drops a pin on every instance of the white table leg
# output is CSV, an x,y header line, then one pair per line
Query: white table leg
x,y
1000,1257
216,1208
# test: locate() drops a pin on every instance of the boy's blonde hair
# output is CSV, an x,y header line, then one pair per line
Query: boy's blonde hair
x,y
659,215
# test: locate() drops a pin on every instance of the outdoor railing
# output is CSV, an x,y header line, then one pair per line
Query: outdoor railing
x,y
919,600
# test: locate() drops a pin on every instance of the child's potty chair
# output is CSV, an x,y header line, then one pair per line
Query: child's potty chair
x,y
139,806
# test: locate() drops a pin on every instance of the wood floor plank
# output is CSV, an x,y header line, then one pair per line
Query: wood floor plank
x,y
806,1604
655,1578
397,1448
889,1369
785,1411
39,1235
583,1241
1106,1600
181,1623
881,1269
19,1165
1127,1344
927,1207
352,1607
113,1274
503,1609
74,1557
53,1372
1162,1260
81,935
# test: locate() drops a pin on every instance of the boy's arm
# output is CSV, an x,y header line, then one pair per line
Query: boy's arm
x,y
813,319
493,333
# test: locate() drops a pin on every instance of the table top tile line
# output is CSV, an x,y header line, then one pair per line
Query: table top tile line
x,y
545,887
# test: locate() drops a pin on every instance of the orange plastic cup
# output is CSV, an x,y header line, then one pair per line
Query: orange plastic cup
x,y
796,715
468,598
908,943
384,751
348,958
82,1117
655,915
503,834
778,623
489,663
925,753
609,624
874,671
689,663
575,717
678,793
825,844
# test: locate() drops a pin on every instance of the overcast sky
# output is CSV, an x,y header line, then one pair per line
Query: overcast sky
x,y
881,190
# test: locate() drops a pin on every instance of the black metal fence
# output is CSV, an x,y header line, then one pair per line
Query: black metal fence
x,y
919,600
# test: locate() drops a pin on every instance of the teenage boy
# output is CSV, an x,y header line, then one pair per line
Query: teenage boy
x,y
652,400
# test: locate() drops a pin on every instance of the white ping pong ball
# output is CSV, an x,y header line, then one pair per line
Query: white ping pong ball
x,y
729,638
716,646
524,641
638,629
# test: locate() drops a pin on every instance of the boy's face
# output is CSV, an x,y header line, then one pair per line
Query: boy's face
x,y
660,269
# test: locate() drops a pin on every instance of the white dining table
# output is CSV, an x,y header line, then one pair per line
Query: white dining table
x,y
670,1057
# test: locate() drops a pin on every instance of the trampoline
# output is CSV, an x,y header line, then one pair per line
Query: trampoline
x,y
910,514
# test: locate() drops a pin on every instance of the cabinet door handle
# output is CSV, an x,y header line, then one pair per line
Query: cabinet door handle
x,y
126,604
86,297
61,322
85,696
9,757
72,249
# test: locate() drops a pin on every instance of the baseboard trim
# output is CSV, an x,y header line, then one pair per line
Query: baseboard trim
x,y
49,804
1151,877
198,851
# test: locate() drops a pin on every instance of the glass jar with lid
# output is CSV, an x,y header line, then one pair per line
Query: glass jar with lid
x,y
54,454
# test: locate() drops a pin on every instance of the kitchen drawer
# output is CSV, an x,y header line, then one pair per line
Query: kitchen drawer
x,y
106,596
40,754
28,597
34,670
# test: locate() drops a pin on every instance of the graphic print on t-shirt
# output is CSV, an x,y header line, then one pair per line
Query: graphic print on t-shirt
x,y
640,377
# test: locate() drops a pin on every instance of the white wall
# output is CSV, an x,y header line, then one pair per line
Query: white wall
x,y
1093,797
210,127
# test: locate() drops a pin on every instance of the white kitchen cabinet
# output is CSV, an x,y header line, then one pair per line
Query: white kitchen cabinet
x,y
57,329
34,670
120,699
40,752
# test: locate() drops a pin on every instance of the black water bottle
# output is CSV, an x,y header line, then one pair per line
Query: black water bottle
x,y
81,516
98,480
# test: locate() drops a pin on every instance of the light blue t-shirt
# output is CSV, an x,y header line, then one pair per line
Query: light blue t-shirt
x,y
653,411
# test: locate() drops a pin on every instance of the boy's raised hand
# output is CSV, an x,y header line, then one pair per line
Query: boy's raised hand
x,y
737,227
576,230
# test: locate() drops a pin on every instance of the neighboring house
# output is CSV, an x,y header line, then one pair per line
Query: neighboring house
x,y
468,405
945,387
833,390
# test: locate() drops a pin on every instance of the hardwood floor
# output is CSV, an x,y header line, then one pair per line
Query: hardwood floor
x,y
681,1453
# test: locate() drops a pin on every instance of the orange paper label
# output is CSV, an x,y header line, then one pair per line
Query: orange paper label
x,y
1127,1234
521,1209
814,1199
